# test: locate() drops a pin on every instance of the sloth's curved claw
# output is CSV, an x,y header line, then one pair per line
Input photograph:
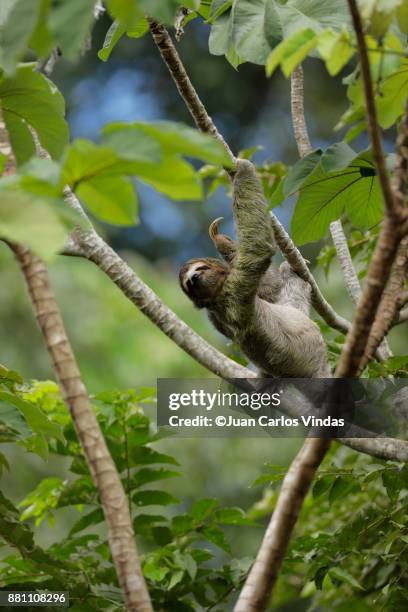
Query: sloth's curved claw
x,y
213,229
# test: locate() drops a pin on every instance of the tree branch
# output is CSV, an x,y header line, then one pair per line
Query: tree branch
x,y
395,208
103,471
346,263
389,305
305,147
392,298
91,246
101,466
96,250
187,91
390,235
336,229
297,102
255,595
262,577
204,122
264,572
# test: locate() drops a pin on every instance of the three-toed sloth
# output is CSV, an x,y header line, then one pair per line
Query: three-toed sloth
x,y
261,308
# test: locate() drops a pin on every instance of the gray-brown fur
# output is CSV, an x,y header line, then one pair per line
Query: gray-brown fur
x,y
270,284
275,334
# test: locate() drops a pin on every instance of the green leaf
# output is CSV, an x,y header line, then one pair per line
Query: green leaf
x,y
220,41
342,576
115,33
395,480
21,139
337,157
174,177
203,508
164,11
147,475
325,196
343,486
394,93
131,143
85,160
12,530
15,32
154,568
40,502
402,16
171,176
70,24
253,28
336,49
256,29
143,522
139,29
175,579
110,198
232,516
16,426
143,455
30,97
127,12
42,41
35,417
92,518
179,139
31,221
154,498
190,565
4,464
323,485
181,524
300,171
217,537
291,51
162,535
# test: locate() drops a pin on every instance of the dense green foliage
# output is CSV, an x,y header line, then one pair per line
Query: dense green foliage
x,y
336,555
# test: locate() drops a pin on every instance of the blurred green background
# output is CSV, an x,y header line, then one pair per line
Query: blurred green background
x,y
116,346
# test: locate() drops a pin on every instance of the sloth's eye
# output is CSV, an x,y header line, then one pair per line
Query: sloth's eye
x,y
203,267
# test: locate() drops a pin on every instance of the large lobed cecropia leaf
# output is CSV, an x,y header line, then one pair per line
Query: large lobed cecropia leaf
x,y
253,28
332,183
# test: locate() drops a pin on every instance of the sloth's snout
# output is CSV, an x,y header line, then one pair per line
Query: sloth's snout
x,y
194,277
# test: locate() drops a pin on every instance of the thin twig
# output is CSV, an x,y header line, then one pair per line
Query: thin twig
x,y
393,207
390,235
392,299
388,310
188,93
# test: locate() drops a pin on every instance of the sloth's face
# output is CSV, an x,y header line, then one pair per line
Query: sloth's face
x,y
202,279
